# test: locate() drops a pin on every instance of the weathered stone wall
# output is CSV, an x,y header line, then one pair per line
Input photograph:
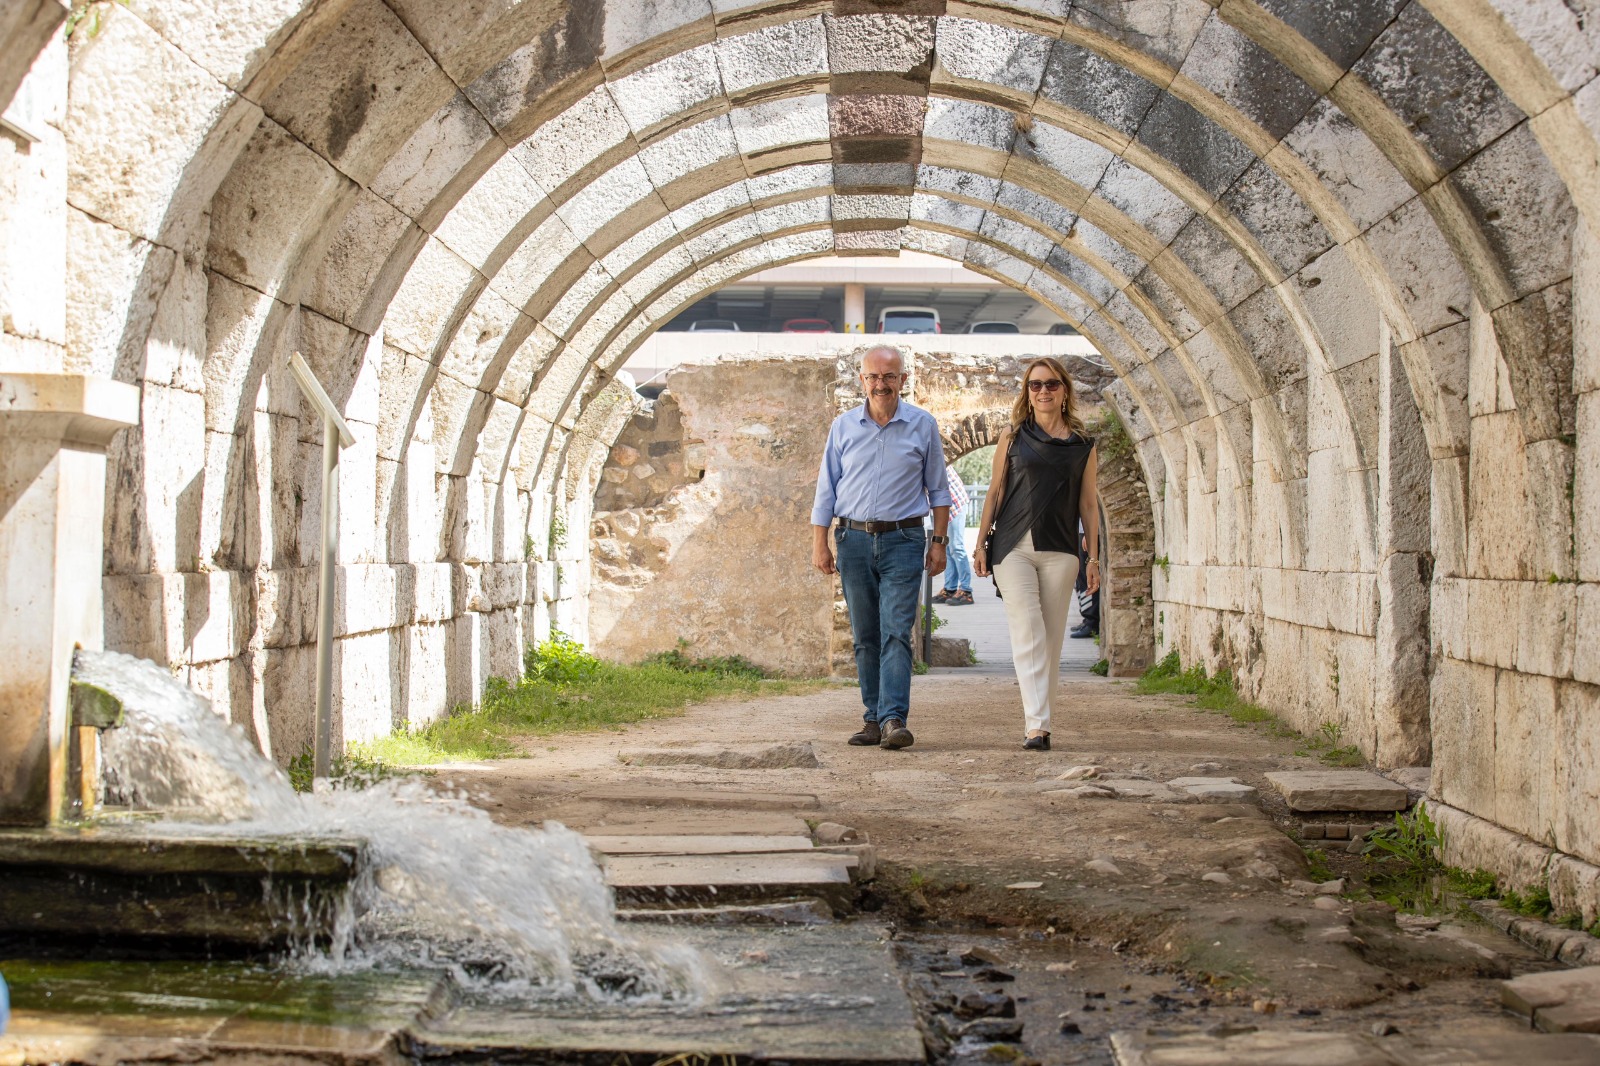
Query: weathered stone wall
x,y
724,561
737,444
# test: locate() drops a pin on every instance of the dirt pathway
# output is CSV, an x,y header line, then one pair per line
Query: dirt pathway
x,y
1140,911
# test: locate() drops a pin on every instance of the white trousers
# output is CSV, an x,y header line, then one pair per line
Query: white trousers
x,y
1036,588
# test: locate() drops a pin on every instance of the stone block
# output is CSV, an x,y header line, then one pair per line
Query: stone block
x,y
1493,609
1463,720
428,297
189,127
1560,1001
1575,766
1338,790
280,203
1586,487
1546,627
1525,722
951,651
791,50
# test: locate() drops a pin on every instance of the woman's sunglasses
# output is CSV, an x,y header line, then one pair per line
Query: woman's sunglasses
x,y
1049,384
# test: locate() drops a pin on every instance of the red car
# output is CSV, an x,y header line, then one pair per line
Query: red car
x,y
808,325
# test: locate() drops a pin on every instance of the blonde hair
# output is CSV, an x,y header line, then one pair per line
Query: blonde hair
x,y
1022,410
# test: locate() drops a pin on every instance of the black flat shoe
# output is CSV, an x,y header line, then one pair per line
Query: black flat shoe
x,y
1041,743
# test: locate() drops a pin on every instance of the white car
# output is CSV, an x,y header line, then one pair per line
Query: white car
x,y
909,320
714,325
993,327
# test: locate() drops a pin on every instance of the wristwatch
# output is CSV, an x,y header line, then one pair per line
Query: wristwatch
x,y
939,538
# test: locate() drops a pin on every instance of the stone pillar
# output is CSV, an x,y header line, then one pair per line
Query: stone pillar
x,y
855,307
53,434
1404,735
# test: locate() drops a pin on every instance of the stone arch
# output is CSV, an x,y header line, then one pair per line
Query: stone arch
x,y
530,187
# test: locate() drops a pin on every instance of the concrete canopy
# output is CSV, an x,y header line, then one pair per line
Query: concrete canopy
x,y
1330,255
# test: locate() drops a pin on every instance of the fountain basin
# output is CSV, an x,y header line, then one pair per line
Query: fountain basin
x,y
180,895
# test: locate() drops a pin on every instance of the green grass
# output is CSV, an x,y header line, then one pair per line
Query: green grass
x,y
1101,668
1218,693
568,690
357,768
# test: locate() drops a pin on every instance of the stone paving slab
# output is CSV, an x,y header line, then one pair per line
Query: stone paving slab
x,y
668,796
1339,790
1288,1048
689,844
799,755
1560,1001
606,820
776,997
679,879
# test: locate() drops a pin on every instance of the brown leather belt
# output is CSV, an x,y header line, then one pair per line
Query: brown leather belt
x,y
881,527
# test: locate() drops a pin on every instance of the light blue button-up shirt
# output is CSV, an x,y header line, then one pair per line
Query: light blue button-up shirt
x,y
882,473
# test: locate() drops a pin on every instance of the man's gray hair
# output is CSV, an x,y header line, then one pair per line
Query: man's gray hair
x,y
861,360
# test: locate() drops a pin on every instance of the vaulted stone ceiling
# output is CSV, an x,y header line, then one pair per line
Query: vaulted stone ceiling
x,y
465,214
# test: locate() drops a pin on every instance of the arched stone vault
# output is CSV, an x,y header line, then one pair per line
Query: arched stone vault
x,y
1330,254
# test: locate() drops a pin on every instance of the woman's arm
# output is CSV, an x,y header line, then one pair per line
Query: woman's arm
x,y
1089,510
991,502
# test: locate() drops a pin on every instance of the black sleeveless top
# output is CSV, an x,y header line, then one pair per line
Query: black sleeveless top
x,y
1043,480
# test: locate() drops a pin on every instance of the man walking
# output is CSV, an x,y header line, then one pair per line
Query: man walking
x,y
882,471
957,591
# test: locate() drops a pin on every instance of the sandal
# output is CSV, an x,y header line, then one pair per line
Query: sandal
x,y
1038,743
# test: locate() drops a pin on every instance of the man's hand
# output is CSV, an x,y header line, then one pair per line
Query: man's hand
x,y
1091,577
821,552
936,560
980,562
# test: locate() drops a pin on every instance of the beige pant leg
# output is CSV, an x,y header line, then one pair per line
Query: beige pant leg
x,y
1036,589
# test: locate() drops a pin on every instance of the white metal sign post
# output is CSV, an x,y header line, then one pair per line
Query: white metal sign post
x,y
335,437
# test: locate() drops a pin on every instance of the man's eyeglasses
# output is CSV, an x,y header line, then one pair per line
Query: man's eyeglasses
x,y
1048,384
887,379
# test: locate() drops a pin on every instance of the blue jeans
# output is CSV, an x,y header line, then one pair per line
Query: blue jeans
x,y
881,572
958,566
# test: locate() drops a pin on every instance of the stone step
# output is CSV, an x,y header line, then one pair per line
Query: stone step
x,y
787,912
668,796
1280,1047
607,820
690,844
699,879
1339,790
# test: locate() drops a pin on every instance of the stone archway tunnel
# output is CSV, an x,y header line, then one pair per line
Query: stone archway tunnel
x,y
1338,257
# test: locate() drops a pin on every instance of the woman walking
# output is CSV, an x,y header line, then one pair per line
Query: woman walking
x,y
1044,469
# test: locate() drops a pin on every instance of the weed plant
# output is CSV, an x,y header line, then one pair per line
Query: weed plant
x,y
357,768
565,689
1101,668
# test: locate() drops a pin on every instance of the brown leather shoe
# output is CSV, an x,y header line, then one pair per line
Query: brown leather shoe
x,y
896,735
869,737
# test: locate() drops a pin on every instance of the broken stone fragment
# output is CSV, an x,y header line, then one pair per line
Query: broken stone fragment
x,y
976,956
1103,866
986,1005
1331,888
993,1029
1217,877
834,833
1080,773
1083,792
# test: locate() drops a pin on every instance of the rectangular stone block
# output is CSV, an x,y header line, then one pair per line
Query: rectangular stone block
x,y
1338,790
1524,751
1462,717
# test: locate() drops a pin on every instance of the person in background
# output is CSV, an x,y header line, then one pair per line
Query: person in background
x,y
1044,478
882,473
957,591
1088,602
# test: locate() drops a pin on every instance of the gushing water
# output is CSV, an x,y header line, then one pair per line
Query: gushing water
x,y
515,911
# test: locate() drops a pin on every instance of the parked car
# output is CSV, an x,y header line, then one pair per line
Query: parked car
x,y
993,327
1061,329
808,325
909,320
714,325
